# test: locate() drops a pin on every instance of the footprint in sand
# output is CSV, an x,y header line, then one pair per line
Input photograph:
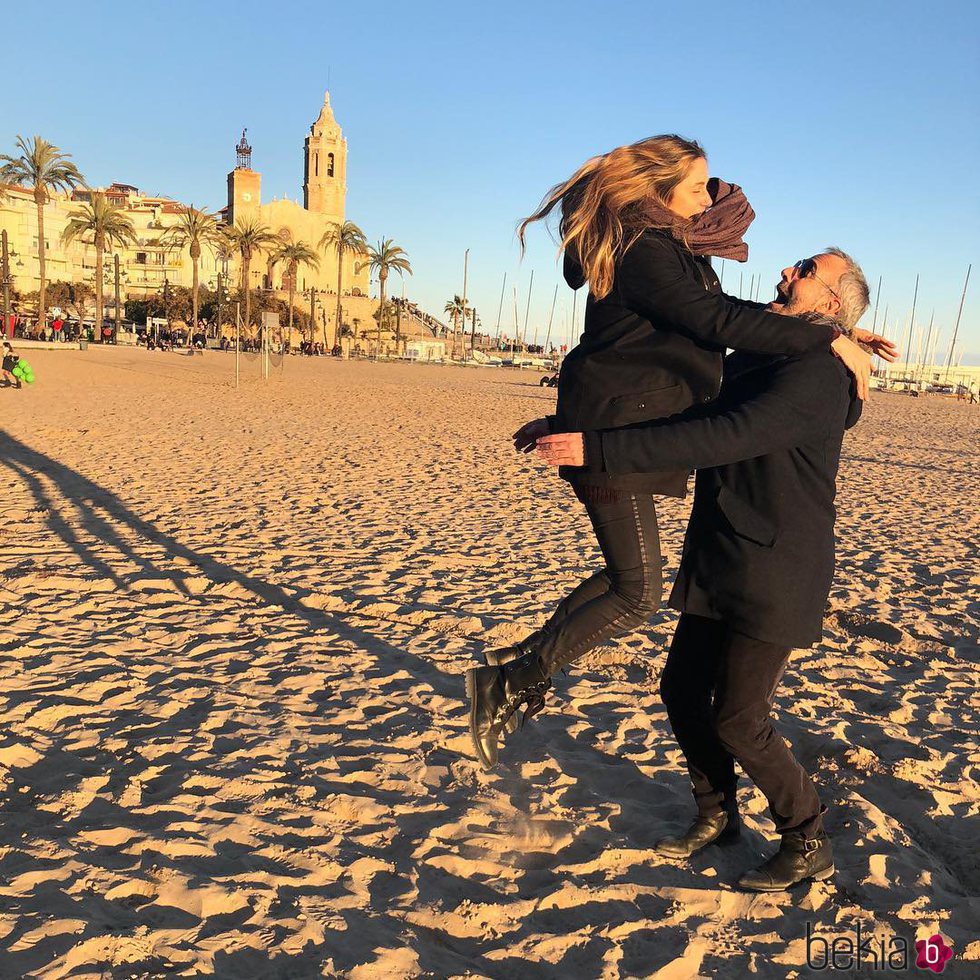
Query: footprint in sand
x,y
873,629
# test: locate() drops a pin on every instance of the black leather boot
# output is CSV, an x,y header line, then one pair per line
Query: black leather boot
x,y
504,655
501,656
720,828
799,857
495,695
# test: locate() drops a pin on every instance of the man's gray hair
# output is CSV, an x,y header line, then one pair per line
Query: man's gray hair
x,y
853,291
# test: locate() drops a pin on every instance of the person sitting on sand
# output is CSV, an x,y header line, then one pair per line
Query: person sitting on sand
x,y
757,563
7,369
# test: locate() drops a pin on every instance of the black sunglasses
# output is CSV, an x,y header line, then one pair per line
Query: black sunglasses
x,y
807,269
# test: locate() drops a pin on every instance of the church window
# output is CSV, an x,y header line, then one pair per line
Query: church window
x,y
329,164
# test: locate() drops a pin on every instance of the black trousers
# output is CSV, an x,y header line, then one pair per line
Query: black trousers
x,y
718,686
620,597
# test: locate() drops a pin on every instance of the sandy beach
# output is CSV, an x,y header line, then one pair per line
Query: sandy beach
x,y
233,742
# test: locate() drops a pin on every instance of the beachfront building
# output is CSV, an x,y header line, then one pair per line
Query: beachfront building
x,y
149,263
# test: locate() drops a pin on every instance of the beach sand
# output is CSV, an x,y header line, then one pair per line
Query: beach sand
x,y
233,738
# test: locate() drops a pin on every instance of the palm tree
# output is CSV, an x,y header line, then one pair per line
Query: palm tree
x,y
458,311
295,254
346,237
249,236
385,258
454,309
109,225
195,228
43,167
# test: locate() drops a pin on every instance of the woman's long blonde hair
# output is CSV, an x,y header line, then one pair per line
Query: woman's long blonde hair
x,y
612,199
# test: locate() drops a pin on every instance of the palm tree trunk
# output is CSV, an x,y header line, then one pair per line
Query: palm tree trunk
x,y
248,293
42,310
99,299
194,288
340,277
292,289
381,311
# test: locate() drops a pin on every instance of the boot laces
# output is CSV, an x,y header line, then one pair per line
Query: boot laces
x,y
532,696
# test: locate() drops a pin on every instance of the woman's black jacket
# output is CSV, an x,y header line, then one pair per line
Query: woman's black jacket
x,y
654,347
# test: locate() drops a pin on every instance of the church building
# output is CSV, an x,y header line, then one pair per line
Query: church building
x,y
324,204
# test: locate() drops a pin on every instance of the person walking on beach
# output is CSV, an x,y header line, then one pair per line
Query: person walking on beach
x,y
638,224
757,564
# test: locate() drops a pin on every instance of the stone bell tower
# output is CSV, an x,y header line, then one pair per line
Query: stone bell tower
x,y
244,184
325,173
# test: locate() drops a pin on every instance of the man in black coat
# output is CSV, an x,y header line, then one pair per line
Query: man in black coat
x,y
757,564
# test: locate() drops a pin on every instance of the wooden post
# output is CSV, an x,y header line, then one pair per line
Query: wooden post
x,y
238,344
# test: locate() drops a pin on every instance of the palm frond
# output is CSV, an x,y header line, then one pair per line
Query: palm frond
x,y
40,165
102,219
346,237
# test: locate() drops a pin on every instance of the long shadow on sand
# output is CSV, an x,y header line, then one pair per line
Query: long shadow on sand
x,y
103,515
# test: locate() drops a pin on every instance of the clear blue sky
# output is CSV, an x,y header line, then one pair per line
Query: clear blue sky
x,y
847,123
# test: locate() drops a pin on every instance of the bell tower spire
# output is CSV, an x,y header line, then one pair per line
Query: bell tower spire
x,y
244,184
325,171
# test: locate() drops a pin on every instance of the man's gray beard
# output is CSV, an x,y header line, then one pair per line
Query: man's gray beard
x,y
792,308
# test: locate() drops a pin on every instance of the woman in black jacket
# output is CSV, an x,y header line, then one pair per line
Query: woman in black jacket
x,y
638,225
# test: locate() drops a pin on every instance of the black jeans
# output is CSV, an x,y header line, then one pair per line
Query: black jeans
x,y
718,686
624,595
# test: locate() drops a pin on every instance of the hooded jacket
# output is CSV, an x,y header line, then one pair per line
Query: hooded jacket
x,y
654,347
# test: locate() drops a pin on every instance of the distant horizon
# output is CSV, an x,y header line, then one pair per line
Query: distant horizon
x,y
471,137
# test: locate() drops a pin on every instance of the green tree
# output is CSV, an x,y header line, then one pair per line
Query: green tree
x,y
195,229
77,296
343,238
44,168
250,236
108,225
295,254
384,258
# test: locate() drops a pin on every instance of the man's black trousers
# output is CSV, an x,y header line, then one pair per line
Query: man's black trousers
x,y
718,686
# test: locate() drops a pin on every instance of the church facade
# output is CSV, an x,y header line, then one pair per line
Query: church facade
x,y
324,204
149,262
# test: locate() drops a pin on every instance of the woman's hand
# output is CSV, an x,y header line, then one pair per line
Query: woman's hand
x,y
875,344
527,436
563,449
856,361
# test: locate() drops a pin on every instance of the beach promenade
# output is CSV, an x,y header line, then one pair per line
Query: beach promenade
x,y
233,742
